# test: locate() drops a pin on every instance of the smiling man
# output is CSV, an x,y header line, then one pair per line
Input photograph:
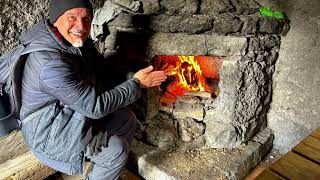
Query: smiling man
x,y
68,115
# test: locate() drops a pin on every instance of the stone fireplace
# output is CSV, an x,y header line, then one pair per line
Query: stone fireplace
x,y
223,109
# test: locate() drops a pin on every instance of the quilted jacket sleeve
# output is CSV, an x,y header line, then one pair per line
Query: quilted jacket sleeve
x,y
60,80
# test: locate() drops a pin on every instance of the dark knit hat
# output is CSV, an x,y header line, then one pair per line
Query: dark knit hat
x,y
58,7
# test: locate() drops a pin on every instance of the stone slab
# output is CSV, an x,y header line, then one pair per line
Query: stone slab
x,y
184,44
202,163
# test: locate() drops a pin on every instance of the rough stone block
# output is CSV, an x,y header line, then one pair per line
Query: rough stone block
x,y
177,23
223,107
249,129
252,90
150,6
226,24
225,45
245,7
212,7
152,102
264,42
220,135
189,129
180,6
161,131
270,25
249,25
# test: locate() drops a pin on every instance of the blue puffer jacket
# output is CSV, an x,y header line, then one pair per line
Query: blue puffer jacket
x,y
59,98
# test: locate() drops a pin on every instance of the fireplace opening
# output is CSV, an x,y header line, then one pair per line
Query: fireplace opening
x,y
188,75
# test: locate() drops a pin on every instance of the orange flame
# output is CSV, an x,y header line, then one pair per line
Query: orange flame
x,y
188,73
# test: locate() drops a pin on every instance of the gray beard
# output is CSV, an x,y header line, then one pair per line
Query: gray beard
x,y
78,43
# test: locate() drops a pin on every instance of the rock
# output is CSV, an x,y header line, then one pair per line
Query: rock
x,y
245,7
183,110
221,135
18,16
264,42
150,6
250,24
183,44
226,24
189,99
161,131
213,7
177,23
270,25
180,6
189,129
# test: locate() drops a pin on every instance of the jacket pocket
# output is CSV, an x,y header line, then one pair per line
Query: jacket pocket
x,y
36,128
65,139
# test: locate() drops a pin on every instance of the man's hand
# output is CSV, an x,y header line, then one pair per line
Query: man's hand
x,y
149,78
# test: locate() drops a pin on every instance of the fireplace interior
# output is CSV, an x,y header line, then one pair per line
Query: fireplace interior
x,y
188,75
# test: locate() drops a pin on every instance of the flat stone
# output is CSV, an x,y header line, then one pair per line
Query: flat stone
x,y
183,110
179,23
183,44
176,164
219,45
188,99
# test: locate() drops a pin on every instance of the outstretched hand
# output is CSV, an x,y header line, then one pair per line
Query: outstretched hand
x,y
149,78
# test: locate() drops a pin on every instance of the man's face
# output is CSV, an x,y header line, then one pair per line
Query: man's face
x,y
74,25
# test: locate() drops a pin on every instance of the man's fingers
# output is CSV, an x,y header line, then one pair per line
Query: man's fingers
x,y
158,73
159,79
147,69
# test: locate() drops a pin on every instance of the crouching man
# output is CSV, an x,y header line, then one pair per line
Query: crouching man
x,y
67,114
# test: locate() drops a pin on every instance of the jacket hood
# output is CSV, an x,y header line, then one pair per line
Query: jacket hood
x,y
42,36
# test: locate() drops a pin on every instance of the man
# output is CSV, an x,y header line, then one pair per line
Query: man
x,y
68,114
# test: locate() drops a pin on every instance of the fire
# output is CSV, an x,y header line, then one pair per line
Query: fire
x,y
188,74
